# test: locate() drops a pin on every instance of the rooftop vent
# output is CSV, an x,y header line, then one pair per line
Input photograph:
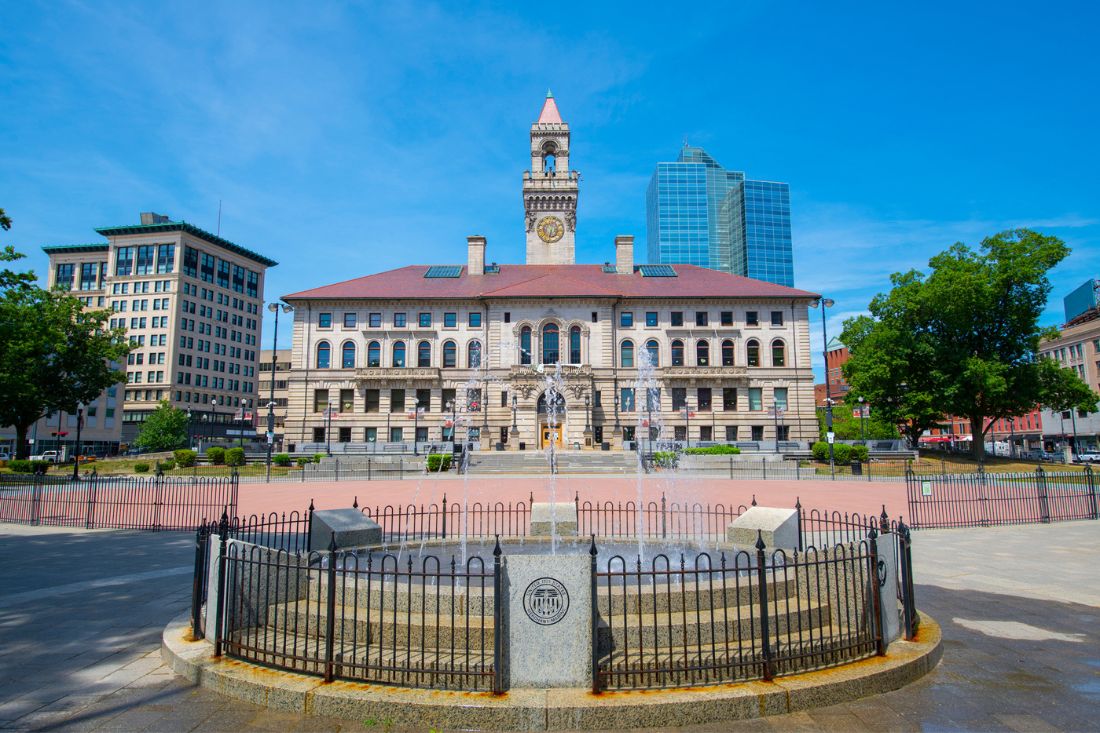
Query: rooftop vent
x,y
444,271
148,217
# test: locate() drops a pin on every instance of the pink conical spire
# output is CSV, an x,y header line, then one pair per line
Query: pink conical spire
x,y
549,114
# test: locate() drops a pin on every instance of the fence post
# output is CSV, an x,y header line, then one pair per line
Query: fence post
x,y
401,468
89,519
798,514
764,468
36,498
907,605
876,595
595,619
368,469
309,527
765,632
1041,489
158,498
337,470
498,621
664,517
1092,492
731,466
330,616
444,516
201,553
219,610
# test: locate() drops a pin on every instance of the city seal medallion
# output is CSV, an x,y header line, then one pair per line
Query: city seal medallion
x,y
546,601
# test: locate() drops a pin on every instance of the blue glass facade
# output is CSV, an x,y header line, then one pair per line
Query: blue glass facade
x,y
699,213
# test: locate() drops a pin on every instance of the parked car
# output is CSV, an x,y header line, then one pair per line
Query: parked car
x,y
4,455
50,455
1038,454
1088,458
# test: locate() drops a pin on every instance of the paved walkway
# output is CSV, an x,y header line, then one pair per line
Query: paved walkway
x,y
81,615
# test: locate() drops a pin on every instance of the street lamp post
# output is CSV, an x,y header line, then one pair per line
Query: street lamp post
x,y
76,457
777,412
1072,412
862,415
416,424
274,308
515,428
244,407
687,423
203,432
649,419
827,303
213,417
328,430
587,416
189,441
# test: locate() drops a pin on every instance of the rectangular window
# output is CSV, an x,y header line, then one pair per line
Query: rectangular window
x,y
88,272
238,279
370,400
207,270
397,400
596,318
475,320
425,320
626,399
450,320
395,435
190,262
124,261
780,397
757,433
784,432
700,318
374,320
731,433
399,320
324,320
777,318
345,435
651,319
626,319
677,318
752,318
253,289
144,264
653,400
320,400
371,435
349,320
727,318
679,432
347,400
706,434
679,397
507,317
424,400
703,397
64,279
166,258
756,399
223,273
448,396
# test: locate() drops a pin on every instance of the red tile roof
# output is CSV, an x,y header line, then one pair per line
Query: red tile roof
x,y
550,281
549,114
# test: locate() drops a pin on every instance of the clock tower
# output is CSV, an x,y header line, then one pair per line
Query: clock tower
x,y
550,191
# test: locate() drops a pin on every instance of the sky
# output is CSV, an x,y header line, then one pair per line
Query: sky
x,y
343,139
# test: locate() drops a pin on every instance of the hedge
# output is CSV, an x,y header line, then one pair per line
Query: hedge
x,y
665,458
141,468
439,462
185,458
216,455
714,450
281,459
234,457
22,465
842,452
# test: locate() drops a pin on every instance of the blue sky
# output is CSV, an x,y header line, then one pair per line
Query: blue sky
x,y
347,138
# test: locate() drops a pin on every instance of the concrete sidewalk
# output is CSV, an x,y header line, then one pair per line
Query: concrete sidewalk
x,y
82,611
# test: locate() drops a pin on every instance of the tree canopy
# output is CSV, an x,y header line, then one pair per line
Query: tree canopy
x,y
164,429
962,340
54,354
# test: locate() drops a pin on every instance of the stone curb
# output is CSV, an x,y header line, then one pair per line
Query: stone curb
x,y
556,709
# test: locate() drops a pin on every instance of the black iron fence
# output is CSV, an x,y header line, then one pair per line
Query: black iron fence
x,y
986,499
115,502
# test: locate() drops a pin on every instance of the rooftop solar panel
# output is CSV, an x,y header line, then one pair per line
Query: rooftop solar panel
x,y
657,270
444,271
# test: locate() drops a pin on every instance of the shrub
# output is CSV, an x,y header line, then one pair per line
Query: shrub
x,y
216,455
714,450
317,457
665,458
234,457
281,459
860,453
185,458
167,465
439,462
842,452
302,461
141,468
21,465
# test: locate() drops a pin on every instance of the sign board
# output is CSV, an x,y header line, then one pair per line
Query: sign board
x,y
926,488
830,437
270,438
864,411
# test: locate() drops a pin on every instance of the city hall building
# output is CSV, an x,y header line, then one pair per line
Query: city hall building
x,y
441,352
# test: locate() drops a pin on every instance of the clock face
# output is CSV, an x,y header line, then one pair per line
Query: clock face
x,y
550,229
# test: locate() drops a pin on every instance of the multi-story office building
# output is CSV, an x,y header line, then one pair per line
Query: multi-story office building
x,y
431,353
1077,348
191,303
699,213
274,395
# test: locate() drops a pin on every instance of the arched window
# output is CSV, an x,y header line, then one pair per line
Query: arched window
x,y
779,353
324,353
550,354
347,355
399,353
626,354
424,354
374,354
702,353
752,352
727,352
677,352
449,354
525,345
575,345
654,352
473,354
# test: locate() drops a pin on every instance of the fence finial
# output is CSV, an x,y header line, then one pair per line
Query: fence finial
x,y
754,500
355,503
332,542
496,549
798,503
592,547
760,540
884,520
311,508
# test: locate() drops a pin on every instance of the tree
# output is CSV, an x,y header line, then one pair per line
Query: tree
x,y
164,429
846,427
54,355
963,340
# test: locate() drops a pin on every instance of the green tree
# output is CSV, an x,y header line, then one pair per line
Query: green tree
x,y
846,427
961,340
164,429
54,355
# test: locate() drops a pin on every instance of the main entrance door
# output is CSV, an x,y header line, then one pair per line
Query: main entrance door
x,y
551,435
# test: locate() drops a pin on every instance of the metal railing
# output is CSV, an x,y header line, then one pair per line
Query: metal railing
x,y
674,622
987,499
116,502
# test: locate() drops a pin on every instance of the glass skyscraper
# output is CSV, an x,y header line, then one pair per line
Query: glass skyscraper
x,y
699,213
